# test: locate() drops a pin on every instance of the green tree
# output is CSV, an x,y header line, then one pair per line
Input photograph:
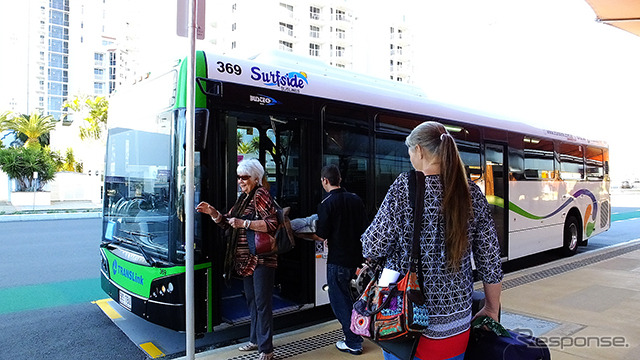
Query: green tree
x,y
244,148
21,163
67,162
57,159
97,108
34,128
255,144
4,118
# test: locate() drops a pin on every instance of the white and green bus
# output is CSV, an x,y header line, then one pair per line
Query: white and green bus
x,y
547,189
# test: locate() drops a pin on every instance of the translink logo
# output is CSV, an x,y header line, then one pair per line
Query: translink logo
x,y
129,274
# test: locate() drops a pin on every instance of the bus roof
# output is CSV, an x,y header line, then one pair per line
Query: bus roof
x,y
277,70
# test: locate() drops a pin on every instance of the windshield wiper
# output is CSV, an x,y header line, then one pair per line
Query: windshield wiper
x,y
135,242
139,234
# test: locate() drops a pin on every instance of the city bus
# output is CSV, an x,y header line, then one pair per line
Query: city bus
x,y
547,189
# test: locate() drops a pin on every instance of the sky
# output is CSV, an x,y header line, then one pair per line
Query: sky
x,y
547,63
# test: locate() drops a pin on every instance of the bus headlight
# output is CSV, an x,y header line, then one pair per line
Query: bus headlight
x,y
164,290
104,264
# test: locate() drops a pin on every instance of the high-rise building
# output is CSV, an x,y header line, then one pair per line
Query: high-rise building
x,y
57,50
55,45
60,49
322,30
349,34
24,66
89,69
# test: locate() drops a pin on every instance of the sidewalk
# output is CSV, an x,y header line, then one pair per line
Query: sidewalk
x,y
57,210
583,307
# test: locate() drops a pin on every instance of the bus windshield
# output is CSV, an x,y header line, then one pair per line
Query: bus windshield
x,y
137,178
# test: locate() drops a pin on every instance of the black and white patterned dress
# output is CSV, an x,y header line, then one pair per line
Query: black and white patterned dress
x,y
448,291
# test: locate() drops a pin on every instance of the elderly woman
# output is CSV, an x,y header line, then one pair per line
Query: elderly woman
x,y
254,211
457,224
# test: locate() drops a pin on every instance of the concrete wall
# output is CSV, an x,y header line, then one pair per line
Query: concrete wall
x,y
71,186
66,186
5,190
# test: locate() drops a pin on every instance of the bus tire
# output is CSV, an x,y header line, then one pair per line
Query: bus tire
x,y
572,236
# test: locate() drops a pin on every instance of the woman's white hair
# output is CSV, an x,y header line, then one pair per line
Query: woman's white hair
x,y
251,167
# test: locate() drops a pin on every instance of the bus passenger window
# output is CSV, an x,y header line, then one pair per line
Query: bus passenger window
x,y
571,162
538,159
595,163
516,157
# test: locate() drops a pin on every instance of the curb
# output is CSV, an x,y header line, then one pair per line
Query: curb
x,y
50,216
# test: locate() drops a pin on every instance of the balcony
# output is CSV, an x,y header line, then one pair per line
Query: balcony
x,y
286,30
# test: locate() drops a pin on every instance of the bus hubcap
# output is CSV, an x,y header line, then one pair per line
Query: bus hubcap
x,y
573,231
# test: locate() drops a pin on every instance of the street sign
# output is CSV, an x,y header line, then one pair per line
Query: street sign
x,y
182,22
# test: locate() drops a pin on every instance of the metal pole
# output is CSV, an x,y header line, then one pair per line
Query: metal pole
x,y
190,184
34,185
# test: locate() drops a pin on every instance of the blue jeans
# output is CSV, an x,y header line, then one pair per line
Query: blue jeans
x,y
258,289
304,225
339,281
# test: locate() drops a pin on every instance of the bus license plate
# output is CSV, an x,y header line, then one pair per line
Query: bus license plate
x,y
125,300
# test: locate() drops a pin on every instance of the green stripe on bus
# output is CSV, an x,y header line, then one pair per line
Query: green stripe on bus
x,y
499,202
41,296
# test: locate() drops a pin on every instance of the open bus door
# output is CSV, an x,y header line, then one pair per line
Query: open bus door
x,y
275,142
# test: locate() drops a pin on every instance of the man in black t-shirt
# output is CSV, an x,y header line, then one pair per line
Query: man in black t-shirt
x,y
341,222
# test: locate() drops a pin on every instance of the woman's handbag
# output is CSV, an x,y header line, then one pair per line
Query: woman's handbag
x,y
261,243
502,344
394,316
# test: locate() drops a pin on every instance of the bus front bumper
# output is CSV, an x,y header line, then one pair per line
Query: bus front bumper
x,y
171,316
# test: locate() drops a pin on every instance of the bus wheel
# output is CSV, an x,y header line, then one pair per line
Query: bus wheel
x,y
572,236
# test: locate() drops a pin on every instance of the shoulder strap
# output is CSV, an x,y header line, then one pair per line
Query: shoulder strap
x,y
416,197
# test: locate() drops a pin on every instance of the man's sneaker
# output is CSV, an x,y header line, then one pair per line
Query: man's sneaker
x,y
342,346
265,356
248,347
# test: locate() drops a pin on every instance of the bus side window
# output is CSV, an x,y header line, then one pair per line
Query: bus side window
x,y
468,141
516,158
595,163
571,161
538,159
391,153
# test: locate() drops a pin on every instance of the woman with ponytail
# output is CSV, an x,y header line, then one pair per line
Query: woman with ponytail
x,y
456,224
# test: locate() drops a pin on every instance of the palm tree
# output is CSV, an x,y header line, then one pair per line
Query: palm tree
x,y
98,110
4,117
244,148
32,126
